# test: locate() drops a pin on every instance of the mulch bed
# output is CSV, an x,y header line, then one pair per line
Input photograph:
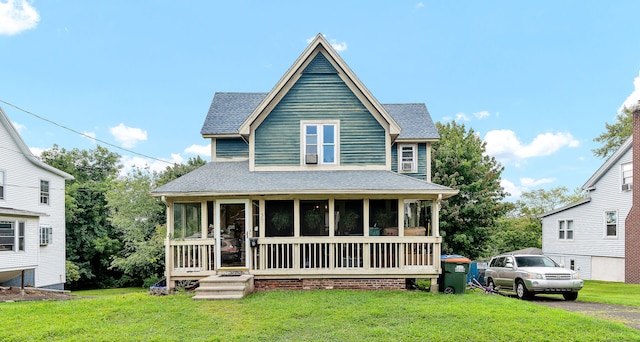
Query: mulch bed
x,y
12,294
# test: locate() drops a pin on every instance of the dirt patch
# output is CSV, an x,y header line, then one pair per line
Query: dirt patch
x,y
13,294
627,315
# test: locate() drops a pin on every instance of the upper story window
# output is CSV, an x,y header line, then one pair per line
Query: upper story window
x,y
1,184
12,239
320,142
627,176
611,221
44,192
565,230
407,160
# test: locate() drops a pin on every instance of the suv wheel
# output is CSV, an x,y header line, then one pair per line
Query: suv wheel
x,y
570,296
521,290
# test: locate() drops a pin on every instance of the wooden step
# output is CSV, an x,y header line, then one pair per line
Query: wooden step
x,y
225,287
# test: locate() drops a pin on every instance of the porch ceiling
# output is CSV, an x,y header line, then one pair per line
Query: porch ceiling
x,y
234,178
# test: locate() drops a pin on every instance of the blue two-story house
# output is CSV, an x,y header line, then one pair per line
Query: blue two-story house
x,y
314,184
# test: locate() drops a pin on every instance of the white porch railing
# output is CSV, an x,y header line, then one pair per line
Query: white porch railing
x,y
315,256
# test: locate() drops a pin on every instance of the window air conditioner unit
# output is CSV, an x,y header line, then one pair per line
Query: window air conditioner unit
x,y
407,166
627,186
311,159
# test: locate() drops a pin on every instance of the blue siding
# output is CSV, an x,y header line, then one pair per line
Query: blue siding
x,y
422,161
232,148
319,94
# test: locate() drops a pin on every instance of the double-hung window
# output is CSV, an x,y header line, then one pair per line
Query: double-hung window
x,y
611,222
627,176
46,235
44,192
320,143
565,230
407,161
1,184
12,238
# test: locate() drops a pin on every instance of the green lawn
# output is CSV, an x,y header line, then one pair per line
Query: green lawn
x,y
333,315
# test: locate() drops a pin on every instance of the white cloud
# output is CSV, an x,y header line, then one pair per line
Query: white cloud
x,y
334,43
462,117
128,136
90,135
505,145
481,114
419,5
36,151
129,163
17,16
199,150
19,127
526,184
634,97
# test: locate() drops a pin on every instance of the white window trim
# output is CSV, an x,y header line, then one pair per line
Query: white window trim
x,y
46,235
303,140
626,186
3,185
414,158
604,219
566,229
17,237
48,191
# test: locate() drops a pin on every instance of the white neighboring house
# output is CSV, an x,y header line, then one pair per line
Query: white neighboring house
x,y
589,236
32,215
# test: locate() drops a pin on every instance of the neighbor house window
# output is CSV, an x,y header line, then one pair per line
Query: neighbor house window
x,y
627,176
611,219
407,158
12,239
44,192
187,220
1,184
565,229
46,235
320,141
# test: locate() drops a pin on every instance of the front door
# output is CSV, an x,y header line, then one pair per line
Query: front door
x,y
231,235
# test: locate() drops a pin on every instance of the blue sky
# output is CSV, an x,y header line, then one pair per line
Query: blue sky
x,y
536,80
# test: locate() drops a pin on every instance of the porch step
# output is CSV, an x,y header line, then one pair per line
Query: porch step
x,y
225,287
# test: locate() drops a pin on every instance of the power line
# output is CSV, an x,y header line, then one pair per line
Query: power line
x,y
83,134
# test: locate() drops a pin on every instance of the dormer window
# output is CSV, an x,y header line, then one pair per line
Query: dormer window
x,y
320,143
407,160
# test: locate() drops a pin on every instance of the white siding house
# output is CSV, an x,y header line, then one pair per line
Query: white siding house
x,y
32,215
589,235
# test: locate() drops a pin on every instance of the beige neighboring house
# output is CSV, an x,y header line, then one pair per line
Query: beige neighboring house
x,y
32,215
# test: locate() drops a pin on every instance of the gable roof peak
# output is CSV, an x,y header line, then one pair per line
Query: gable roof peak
x,y
319,45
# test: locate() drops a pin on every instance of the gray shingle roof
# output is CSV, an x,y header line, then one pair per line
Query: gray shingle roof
x,y
229,110
234,178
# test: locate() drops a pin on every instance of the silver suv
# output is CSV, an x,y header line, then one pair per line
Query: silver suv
x,y
527,275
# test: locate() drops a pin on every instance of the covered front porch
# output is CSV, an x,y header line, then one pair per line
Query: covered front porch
x,y
278,237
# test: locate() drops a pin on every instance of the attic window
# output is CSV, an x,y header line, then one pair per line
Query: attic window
x,y
407,159
320,142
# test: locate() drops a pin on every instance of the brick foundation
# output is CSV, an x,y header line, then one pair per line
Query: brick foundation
x,y
632,222
330,284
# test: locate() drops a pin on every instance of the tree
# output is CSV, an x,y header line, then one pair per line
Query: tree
x,y
536,202
459,161
91,241
140,221
615,135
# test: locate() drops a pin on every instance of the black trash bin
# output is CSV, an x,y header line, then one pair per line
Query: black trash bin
x,y
454,274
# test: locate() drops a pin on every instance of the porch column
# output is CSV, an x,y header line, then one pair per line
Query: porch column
x,y
435,216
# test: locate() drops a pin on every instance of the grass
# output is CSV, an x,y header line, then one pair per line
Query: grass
x,y
334,315
610,293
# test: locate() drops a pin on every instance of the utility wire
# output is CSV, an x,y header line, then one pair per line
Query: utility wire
x,y
83,134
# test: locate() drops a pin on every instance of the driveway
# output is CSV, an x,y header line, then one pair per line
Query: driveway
x,y
627,315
